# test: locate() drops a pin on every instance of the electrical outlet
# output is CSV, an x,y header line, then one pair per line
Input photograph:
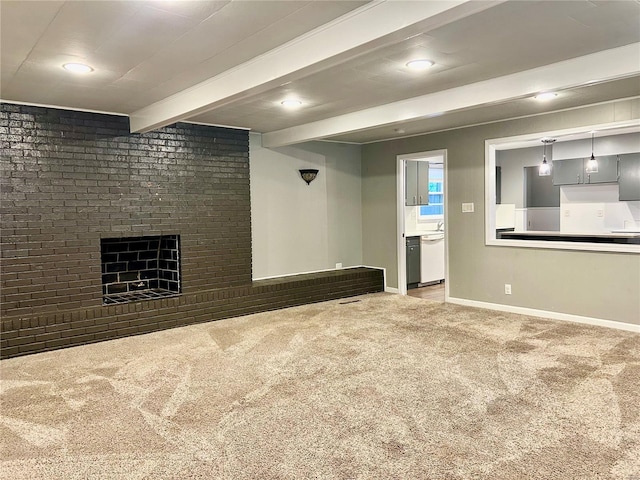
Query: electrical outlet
x,y
567,213
338,265
467,207
600,212
507,289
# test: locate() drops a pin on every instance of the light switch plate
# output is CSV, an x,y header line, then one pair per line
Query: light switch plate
x,y
467,207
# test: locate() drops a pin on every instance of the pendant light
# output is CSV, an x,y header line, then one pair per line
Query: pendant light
x,y
545,168
592,163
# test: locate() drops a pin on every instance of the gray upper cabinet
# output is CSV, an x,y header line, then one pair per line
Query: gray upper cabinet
x,y
568,172
423,183
629,180
416,182
607,170
572,171
411,183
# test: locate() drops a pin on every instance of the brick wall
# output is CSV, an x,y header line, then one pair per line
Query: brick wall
x,y
71,178
40,333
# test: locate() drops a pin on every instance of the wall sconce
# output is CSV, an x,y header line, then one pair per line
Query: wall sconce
x,y
308,175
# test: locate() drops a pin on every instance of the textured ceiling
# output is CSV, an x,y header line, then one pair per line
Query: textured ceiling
x,y
526,35
610,91
146,51
142,51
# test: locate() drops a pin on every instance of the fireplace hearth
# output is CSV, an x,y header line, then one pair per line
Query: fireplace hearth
x,y
140,268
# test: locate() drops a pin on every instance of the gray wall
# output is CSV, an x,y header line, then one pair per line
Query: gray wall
x,y
593,284
512,163
298,227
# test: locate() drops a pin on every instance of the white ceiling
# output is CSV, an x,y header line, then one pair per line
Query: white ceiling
x,y
232,62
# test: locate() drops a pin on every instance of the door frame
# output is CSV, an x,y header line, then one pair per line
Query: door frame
x,y
401,253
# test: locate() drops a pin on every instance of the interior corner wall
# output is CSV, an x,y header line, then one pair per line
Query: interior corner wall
x,y
592,284
297,227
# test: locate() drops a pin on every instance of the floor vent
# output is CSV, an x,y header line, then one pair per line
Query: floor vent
x,y
349,301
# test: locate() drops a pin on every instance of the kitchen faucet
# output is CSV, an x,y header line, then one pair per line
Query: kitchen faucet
x,y
440,225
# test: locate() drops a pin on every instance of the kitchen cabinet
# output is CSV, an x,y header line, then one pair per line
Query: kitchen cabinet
x,y
568,172
416,182
413,261
629,181
607,170
572,171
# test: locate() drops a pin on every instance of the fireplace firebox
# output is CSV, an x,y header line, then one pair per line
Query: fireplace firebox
x,y
140,268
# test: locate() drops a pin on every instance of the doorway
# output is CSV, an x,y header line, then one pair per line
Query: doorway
x,y
422,220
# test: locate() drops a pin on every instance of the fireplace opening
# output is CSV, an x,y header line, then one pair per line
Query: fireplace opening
x,y
140,268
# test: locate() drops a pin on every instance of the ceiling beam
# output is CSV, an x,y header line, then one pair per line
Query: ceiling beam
x,y
373,25
598,67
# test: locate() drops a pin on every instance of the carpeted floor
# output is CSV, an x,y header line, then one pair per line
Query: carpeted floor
x,y
387,387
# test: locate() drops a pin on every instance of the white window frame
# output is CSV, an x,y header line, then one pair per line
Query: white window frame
x,y
434,218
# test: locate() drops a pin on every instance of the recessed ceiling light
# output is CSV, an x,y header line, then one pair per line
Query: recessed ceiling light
x,y
420,64
291,103
546,96
77,67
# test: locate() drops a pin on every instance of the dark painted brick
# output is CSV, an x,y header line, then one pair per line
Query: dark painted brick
x,y
75,182
48,336
77,177
57,343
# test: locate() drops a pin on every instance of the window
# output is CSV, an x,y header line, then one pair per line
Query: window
x,y
593,211
435,209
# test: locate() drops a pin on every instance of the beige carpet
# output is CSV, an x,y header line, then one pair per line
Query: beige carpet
x,y
387,387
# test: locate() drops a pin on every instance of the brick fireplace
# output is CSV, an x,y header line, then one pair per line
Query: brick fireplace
x,y
140,268
78,188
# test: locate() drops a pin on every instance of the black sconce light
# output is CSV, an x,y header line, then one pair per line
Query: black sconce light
x,y
308,175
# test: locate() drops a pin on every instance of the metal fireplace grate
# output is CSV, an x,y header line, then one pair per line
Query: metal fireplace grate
x,y
116,298
140,268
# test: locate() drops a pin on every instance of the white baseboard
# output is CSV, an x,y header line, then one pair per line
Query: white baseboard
x,y
547,314
391,289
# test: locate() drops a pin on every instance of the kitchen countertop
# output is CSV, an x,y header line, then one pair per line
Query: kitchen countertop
x,y
424,233
617,237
